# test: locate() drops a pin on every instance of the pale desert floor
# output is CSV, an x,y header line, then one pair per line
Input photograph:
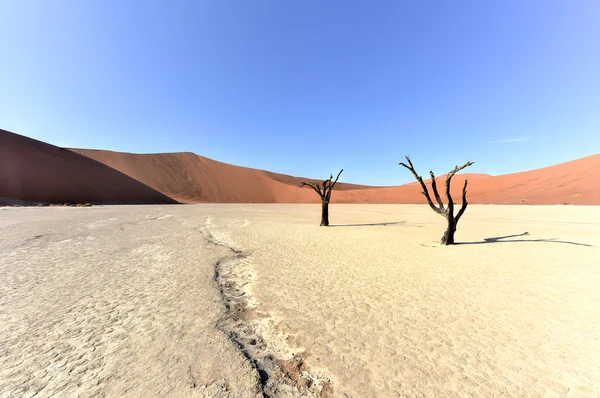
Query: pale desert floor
x,y
258,300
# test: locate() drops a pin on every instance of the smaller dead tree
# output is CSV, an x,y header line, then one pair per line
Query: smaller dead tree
x,y
447,212
324,191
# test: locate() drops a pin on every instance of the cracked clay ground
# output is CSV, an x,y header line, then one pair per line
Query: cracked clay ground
x,y
257,300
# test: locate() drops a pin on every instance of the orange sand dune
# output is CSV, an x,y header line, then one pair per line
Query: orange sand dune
x,y
35,172
191,178
574,182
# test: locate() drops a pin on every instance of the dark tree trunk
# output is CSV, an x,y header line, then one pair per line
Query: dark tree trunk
x,y
324,213
448,238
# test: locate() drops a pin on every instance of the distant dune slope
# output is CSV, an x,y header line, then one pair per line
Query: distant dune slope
x,y
35,172
574,182
191,178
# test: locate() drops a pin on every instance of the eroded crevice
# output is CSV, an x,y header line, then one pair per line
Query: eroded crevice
x,y
281,366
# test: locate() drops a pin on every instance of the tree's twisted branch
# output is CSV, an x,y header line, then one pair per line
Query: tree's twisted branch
x,y
463,207
440,209
435,191
448,180
328,184
315,186
423,186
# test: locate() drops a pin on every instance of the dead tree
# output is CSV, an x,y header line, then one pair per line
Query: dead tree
x,y
447,212
324,191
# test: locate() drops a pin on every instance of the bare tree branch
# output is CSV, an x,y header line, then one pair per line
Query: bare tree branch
x,y
336,178
463,207
435,191
314,186
332,184
448,180
423,186
449,197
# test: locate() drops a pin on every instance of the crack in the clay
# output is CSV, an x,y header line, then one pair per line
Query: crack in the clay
x,y
254,333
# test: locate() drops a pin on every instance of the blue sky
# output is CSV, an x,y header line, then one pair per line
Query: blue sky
x,y
308,87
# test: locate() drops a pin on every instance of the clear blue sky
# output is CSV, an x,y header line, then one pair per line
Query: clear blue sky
x,y
308,87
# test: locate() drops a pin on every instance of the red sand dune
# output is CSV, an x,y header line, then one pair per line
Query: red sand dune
x,y
191,178
34,171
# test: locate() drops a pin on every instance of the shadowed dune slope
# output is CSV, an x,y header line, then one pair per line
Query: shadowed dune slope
x,y
193,179
35,172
